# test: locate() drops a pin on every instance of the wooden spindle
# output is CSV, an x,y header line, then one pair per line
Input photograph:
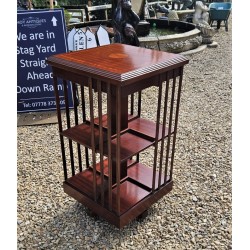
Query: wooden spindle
x,y
91,111
109,106
99,92
118,149
157,131
176,121
170,125
59,118
163,128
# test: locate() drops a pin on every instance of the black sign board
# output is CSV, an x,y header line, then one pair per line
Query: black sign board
x,y
40,33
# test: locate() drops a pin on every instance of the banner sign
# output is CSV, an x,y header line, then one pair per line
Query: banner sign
x,y
40,34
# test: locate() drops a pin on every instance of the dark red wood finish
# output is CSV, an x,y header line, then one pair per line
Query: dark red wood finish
x,y
107,124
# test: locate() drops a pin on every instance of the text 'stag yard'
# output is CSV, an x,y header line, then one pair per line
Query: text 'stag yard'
x,y
40,33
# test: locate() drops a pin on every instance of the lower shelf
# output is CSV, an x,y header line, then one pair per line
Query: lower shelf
x,y
136,195
144,175
138,172
130,193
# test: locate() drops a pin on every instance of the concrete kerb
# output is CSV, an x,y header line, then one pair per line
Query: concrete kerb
x,y
193,51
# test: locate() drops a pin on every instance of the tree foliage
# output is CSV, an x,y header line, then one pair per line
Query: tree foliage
x,y
45,3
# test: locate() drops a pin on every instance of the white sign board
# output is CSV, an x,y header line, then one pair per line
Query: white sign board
x,y
79,40
70,39
91,39
103,36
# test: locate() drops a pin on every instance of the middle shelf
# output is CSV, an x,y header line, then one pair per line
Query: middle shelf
x,y
139,135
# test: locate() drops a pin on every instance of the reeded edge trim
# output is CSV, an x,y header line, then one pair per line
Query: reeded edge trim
x,y
122,78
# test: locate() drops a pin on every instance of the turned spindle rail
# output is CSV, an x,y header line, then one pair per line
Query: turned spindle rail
x,y
103,137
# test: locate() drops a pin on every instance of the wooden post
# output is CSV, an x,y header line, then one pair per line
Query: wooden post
x,y
29,5
51,4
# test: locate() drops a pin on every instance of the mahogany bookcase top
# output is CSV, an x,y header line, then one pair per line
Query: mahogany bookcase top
x,y
117,63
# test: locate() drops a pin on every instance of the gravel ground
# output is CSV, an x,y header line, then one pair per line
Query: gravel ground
x,y
196,214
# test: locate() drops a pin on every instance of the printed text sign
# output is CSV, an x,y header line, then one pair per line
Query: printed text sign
x,y
40,33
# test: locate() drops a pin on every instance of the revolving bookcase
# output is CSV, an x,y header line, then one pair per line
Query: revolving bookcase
x,y
117,160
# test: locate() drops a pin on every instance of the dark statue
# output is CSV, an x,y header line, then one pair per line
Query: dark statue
x,y
187,4
125,21
161,8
